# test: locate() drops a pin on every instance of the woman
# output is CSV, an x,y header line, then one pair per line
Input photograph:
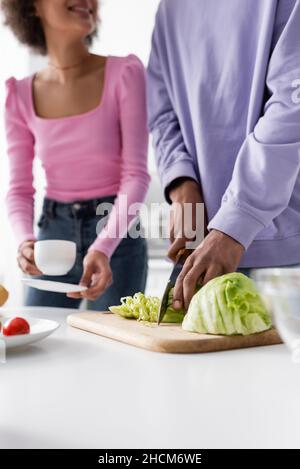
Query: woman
x,y
85,117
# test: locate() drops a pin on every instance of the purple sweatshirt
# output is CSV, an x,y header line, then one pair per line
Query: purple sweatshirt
x,y
224,109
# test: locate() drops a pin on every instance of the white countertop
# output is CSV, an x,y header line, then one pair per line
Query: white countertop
x,y
78,390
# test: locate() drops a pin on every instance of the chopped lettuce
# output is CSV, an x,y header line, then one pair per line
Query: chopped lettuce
x,y
227,305
145,308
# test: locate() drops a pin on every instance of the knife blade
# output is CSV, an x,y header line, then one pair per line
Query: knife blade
x,y
181,256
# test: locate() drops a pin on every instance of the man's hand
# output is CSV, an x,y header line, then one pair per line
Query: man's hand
x,y
188,191
218,254
97,276
25,258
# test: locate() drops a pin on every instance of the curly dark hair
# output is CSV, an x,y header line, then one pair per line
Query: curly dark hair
x,y
27,27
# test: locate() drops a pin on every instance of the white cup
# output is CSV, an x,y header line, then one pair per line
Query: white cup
x,y
54,257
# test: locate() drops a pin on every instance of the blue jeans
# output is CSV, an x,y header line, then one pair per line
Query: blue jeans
x,y
245,271
77,222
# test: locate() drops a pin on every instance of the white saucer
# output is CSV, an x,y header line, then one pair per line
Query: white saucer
x,y
39,329
50,285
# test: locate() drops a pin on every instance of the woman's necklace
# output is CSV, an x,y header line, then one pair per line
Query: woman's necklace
x,y
68,67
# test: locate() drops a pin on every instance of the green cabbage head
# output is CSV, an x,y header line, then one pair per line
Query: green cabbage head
x,y
227,305
145,308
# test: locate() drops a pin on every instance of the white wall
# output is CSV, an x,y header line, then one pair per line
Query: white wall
x,y
126,28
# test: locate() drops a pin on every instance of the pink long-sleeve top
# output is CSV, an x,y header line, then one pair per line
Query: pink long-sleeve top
x,y
86,156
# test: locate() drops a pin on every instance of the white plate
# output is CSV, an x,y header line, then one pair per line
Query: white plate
x,y
50,285
39,329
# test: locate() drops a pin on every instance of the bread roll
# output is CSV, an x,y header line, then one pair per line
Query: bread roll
x,y
3,295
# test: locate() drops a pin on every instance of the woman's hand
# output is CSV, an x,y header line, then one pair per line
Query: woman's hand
x,y
218,254
97,276
25,258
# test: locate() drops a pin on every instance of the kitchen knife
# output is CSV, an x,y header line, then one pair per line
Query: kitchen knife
x,y
180,259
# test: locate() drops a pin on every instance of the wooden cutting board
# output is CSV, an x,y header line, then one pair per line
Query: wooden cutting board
x,y
166,338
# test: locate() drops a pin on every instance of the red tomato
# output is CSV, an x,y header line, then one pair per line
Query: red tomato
x,y
16,326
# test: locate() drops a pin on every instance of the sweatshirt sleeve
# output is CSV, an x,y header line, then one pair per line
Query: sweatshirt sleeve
x,y
268,163
20,147
172,158
134,179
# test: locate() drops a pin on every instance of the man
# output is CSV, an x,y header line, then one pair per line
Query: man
x,y
223,84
